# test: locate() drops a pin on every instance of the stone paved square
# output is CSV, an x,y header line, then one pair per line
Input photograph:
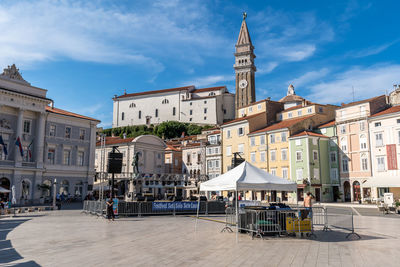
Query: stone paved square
x,y
71,238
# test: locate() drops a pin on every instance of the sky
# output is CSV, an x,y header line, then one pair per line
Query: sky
x,y
85,52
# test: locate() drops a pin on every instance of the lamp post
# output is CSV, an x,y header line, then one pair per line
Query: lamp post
x,y
54,193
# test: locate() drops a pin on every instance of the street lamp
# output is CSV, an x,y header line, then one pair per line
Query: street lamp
x,y
54,193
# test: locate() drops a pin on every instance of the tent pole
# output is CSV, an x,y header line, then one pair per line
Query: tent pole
x,y
198,208
237,216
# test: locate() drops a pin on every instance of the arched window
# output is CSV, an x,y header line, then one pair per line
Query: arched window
x,y
363,142
173,111
122,116
140,114
132,105
156,113
211,94
165,101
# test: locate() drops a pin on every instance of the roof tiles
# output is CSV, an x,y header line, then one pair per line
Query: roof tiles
x,y
282,124
67,113
393,109
308,133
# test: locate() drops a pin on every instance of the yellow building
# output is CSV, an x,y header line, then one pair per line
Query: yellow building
x,y
305,109
235,139
271,108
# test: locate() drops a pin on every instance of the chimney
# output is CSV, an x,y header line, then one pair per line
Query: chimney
x,y
124,91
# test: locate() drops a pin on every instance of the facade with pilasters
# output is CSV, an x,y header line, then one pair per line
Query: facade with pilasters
x,y
41,145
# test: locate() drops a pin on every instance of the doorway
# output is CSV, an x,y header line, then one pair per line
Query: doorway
x,y
356,191
318,194
5,183
300,194
346,189
336,193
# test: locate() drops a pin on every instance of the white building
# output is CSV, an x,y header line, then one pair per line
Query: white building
x,y
384,131
185,104
151,151
214,154
57,146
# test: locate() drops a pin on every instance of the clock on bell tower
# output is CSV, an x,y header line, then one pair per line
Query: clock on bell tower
x,y
244,68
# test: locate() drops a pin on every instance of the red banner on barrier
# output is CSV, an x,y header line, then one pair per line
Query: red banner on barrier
x,y
391,157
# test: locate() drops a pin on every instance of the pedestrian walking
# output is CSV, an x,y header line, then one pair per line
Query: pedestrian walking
x,y
307,200
308,205
110,211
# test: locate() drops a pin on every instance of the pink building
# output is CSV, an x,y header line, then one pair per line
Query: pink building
x,y
384,131
355,160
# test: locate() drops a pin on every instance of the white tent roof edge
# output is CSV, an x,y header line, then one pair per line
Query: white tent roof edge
x,y
248,177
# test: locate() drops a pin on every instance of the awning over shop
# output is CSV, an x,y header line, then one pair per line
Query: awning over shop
x,y
3,190
389,181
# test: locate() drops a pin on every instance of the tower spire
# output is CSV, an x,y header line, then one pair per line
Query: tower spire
x,y
244,68
244,36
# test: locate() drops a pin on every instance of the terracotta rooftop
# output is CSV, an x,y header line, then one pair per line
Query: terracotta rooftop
x,y
208,89
308,133
291,98
67,113
215,132
282,124
243,118
190,145
361,101
115,140
292,108
258,102
387,111
170,147
328,124
190,87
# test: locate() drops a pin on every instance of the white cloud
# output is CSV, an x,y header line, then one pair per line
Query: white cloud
x,y
309,77
367,82
267,68
374,50
210,80
297,53
290,37
104,32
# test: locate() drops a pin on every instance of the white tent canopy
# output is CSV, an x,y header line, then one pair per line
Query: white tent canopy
x,y
247,177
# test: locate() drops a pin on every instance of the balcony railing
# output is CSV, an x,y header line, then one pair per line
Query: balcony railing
x,y
6,162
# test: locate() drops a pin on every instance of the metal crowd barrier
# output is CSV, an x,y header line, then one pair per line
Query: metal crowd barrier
x,y
157,208
341,219
297,221
94,207
261,222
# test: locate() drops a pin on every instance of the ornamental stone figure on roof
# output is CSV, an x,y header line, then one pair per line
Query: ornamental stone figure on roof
x,y
12,72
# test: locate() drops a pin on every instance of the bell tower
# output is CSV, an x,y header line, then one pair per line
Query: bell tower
x,y
244,68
